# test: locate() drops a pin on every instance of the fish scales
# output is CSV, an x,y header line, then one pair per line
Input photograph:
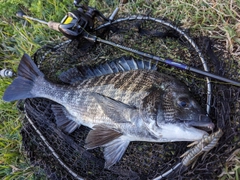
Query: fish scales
x,y
136,84
129,105
113,90
117,89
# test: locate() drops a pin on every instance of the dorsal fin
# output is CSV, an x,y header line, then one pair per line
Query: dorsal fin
x,y
121,64
70,76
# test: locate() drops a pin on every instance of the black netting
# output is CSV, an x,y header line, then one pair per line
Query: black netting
x,y
63,156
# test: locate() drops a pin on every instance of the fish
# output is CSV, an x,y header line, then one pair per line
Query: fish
x,y
120,101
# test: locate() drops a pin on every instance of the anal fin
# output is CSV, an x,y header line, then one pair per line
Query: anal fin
x,y
63,119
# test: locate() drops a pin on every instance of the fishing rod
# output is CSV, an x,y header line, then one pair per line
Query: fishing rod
x,y
80,23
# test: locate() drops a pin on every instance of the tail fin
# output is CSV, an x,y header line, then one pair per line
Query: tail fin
x,y
21,86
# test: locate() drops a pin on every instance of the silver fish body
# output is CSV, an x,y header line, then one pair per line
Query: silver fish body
x,y
133,105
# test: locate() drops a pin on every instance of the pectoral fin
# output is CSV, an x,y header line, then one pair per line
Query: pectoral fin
x,y
63,119
114,109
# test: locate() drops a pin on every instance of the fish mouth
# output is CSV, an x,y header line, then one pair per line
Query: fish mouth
x,y
205,126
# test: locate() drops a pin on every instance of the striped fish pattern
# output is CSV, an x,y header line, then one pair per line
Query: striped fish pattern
x,y
121,101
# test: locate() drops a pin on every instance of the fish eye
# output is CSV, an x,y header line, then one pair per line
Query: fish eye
x,y
183,102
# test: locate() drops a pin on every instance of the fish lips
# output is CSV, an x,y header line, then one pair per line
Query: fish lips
x,y
203,123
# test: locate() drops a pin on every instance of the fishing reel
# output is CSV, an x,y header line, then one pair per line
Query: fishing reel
x,y
75,23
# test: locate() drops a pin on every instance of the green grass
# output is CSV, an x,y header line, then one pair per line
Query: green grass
x,y
17,38
219,20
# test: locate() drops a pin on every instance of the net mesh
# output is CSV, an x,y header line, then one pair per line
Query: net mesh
x,y
62,156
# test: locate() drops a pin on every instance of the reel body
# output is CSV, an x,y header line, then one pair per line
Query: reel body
x,y
75,23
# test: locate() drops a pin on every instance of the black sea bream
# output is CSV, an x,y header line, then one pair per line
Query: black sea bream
x,y
130,105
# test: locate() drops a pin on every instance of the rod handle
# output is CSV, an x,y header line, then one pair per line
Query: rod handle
x,y
20,14
53,25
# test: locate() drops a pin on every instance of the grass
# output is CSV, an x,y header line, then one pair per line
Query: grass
x,y
217,19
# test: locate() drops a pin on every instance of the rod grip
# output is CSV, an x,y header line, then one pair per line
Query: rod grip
x,y
20,14
53,25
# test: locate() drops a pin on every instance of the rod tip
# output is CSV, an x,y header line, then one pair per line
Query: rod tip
x,y
20,14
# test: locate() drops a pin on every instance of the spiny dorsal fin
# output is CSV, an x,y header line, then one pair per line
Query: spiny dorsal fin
x,y
100,135
121,64
63,119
